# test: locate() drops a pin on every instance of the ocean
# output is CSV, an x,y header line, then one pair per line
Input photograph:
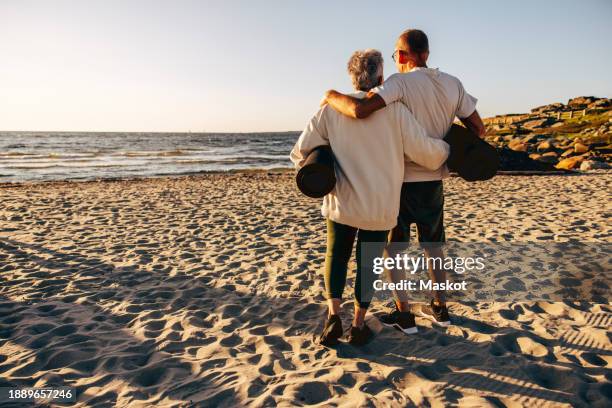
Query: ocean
x,y
42,156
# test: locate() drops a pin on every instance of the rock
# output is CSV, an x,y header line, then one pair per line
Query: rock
x,y
581,148
599,103
581,101
564,144
569,163
553,107
602,131
587,165
606,149
512,161
546,158
544,146
529,138
568,152
518,130
549,157
538,123
517,145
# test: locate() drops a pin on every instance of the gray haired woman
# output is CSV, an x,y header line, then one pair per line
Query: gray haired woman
x,y
364,204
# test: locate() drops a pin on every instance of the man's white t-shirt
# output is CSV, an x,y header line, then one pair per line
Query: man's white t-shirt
x,y
435,99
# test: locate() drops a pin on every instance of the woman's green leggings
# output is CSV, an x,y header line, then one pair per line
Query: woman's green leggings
x,y
340,239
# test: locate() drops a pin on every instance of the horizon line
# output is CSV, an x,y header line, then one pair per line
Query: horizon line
x,y
145,131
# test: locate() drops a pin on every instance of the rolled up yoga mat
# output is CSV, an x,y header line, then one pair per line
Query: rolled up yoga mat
x,y
470,156
317,177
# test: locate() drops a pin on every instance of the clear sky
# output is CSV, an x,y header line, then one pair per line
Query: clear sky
x,y
225,66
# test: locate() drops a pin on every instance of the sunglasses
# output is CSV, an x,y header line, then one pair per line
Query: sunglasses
x,y
396,53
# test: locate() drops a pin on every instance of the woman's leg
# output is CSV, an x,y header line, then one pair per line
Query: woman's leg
x,y
340,239
376,241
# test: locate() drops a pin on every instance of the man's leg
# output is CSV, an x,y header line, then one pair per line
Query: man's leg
x,y
436,273
436,311
401,318
429,215
398,241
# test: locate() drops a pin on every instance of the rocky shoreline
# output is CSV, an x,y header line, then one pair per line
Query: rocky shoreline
x,y
554,137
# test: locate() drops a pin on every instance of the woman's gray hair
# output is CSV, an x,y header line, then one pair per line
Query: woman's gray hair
x,y
365,68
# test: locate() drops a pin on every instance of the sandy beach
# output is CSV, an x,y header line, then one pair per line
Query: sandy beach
x,y
207,291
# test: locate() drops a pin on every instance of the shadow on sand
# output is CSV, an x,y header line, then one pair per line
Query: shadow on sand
x,y
69,319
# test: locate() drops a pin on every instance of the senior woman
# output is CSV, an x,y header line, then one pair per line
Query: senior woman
x,y
364,204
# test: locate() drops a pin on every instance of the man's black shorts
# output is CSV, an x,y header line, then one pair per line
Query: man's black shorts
x,y
421,203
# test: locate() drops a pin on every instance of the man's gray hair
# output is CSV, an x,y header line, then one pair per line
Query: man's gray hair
x,y
365,68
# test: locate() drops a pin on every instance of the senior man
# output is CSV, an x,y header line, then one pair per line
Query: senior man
x,y
435,98
370,156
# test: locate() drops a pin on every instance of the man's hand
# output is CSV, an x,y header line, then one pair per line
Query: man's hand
x,y
325,97
356,108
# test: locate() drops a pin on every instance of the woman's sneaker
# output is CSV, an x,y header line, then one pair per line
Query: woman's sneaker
x,y
332,331
402,321
359,337
435,313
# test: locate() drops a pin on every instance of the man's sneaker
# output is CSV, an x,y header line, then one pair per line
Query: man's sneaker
x,y
435,313
402,321
359,337
332,331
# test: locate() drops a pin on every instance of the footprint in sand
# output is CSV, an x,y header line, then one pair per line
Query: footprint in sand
x,y
531,347
231,341
314,392
552,377
433,372
594,359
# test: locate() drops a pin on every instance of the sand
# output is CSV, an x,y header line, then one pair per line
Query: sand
x,y
207,291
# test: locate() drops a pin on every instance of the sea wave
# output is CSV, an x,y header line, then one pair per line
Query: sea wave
x,y
45,155
76,155
32,166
